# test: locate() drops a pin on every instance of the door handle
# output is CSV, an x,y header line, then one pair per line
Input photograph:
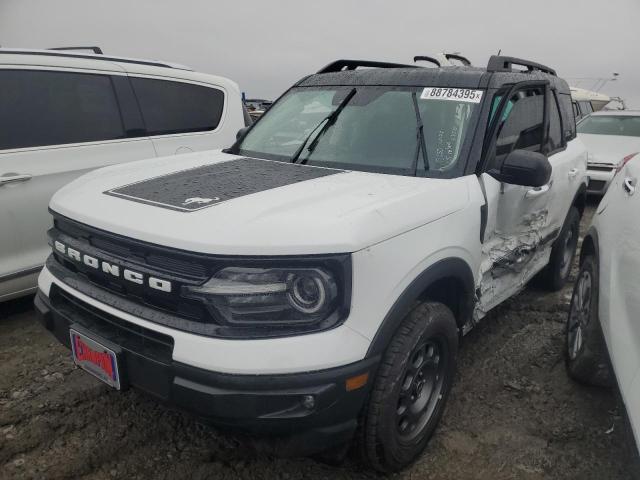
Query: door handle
x,y
629,185
14,177
536,192
573,172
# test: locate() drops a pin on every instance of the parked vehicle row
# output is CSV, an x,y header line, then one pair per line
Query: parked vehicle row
x,y
612,138
586,102
66,113
312,281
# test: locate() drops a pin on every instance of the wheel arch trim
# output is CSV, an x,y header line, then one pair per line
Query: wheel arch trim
x,y
448,268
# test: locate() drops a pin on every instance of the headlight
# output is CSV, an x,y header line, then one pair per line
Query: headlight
x,y
270,296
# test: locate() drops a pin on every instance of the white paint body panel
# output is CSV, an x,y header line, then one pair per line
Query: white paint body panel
x,y
618,229
24,217
338,213
395,227
363,215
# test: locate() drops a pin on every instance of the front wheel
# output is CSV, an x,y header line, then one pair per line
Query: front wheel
x,y
410,389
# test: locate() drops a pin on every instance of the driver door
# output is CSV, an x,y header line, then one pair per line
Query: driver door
x,y
519,230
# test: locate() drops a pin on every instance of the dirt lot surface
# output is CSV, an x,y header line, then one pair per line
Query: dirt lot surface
x,y
513,413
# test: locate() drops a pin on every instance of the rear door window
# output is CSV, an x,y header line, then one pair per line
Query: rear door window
x,y
170,107
40,108
555,126
568,116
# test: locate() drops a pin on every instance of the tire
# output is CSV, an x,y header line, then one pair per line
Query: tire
x,y
410,389
585,350
556,273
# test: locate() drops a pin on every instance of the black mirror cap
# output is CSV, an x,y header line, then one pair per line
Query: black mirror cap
x,y
522,167
241,133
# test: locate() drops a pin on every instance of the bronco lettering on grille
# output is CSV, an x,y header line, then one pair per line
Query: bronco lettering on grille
x,y
113,269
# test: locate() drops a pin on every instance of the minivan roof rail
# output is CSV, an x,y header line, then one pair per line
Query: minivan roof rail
x,y
340,65
96,50
424,58
505,64
99,56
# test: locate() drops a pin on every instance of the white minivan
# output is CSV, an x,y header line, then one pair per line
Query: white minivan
x,y
64,113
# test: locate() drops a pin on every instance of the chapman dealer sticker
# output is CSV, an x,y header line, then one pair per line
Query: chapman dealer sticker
x,y
455,94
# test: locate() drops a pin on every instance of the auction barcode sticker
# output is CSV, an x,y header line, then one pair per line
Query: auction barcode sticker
x,y
456,94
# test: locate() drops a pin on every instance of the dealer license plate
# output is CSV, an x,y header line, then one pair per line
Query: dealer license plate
x,y
95,358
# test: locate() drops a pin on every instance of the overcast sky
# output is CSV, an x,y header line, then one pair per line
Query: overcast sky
x,y
267,45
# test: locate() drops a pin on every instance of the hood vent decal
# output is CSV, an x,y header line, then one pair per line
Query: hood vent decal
x,y
207,185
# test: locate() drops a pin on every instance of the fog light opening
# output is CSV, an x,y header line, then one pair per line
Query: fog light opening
x,y
309,402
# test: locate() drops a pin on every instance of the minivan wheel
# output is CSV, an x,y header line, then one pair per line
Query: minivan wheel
x,y
410,389
557,271
585,351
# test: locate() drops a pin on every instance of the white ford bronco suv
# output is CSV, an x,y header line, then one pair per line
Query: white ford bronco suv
x,y
311,282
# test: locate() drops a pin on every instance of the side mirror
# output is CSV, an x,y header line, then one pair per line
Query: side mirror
x,y
241,133
522,167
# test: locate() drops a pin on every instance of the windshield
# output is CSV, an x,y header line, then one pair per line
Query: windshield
x,y
611,125
375,129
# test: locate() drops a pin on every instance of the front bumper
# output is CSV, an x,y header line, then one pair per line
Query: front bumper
x,y
599,180
277,406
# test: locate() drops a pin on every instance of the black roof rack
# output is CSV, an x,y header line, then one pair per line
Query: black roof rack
x,y
505,64
57,52
340,65
464,60
424,58
96,50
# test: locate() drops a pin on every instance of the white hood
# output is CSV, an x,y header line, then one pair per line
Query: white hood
x,y
344,212
609,149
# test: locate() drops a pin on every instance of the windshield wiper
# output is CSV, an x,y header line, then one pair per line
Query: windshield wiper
x,y
327,121
421,146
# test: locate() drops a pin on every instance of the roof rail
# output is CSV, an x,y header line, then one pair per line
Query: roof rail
x,y
340,65
424,58
505,64
464,60
96,50
58,53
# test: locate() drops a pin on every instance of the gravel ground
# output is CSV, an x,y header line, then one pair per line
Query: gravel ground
x,y
513,413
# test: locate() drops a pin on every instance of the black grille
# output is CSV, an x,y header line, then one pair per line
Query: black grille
x,y
128,335
141,253
180,269
601,168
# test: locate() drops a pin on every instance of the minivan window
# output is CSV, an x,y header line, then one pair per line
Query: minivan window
x,y
586,107
40,108
377,130
176,107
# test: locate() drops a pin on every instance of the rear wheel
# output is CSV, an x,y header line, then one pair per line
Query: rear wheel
x,y
585,352
410,389
556,273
